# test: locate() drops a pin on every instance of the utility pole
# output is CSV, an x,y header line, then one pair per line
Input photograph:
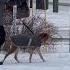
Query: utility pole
x,y
2,5
69,32
31,1
41,3
55,5
14,19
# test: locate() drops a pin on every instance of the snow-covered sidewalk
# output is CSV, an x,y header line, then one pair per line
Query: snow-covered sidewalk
x,y
55,61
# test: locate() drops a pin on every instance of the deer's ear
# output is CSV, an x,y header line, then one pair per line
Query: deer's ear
x,y
42,35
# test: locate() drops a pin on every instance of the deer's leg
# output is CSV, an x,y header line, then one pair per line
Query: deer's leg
x,y
31,52
13,48
30,57
16,54
40,54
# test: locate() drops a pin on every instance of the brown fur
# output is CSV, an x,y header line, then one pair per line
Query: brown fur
x,y
12,48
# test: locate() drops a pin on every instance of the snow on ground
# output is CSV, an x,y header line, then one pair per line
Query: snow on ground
x,y
62,22
54,61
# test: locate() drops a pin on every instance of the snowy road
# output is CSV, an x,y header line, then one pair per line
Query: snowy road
x,y
57,61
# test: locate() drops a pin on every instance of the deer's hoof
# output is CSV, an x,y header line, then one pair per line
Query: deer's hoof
x,y
1,63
